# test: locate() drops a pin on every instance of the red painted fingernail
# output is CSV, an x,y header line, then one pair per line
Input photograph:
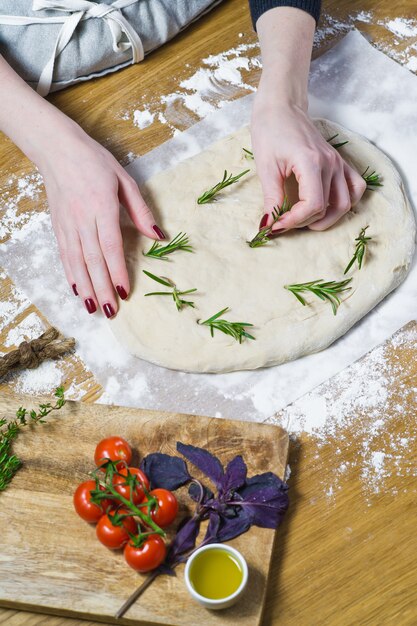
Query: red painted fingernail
x,y
108,310
159,232
121,291
278,231
264,221
74,288
90,305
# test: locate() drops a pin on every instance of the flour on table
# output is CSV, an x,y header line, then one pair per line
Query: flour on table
x,y
353,411
143,119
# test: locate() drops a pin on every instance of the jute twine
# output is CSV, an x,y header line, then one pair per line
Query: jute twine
x,y
31,353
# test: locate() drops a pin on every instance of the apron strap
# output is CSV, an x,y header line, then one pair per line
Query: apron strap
x,y
77,11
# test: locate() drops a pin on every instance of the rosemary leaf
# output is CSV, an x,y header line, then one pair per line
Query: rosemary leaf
x,y
248,154
160,251
372,180
327,291
336,145
262,236
234,329
174,293
228,179
360,249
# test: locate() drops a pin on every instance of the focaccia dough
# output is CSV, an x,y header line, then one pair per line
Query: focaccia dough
x,y
228,273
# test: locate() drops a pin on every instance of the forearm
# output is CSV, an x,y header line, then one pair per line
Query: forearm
x,y
31,122
286,40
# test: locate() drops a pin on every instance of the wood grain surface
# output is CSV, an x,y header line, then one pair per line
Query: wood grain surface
x,y
344,560
50,557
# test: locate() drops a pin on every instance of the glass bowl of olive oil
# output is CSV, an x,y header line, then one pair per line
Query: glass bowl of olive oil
x,y
216,575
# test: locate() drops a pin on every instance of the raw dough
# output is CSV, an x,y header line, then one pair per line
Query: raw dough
x,y
227,273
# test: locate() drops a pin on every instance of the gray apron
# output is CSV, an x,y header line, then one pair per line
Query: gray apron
x,y
55,43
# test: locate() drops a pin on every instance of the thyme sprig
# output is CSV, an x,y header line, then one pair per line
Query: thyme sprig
x,y
175,293
159,251
228,179
262,236
336,145
372,180
329,291
9,430
360,249
234,329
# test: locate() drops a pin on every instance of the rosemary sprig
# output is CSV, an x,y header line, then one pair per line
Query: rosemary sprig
x,y
10,463
360,248
336,145
159,251
228,179
175,293
372,180
262,236
234,329
324,290
248,154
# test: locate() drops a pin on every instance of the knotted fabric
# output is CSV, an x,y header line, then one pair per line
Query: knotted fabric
x,y
123,34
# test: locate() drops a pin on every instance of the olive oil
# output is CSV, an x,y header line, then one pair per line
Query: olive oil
x,y
215,574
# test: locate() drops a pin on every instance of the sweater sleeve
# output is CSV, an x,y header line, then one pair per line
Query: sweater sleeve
x,y
257,7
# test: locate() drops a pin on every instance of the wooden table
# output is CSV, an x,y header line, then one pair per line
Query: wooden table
x,y
343,560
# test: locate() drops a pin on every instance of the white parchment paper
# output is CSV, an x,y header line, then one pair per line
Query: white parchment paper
x,y
352,84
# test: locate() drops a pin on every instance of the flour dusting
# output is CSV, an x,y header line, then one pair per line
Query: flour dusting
x,y
220,77
356,410
143,119
27,187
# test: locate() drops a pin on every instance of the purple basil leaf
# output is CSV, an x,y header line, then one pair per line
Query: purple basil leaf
x,y
204,460
184,540
165,569
233,527
212,528
194,491
265,506
167,472
235,474
222,529
268,479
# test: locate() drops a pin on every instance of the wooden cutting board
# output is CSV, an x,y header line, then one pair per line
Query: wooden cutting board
x,y
51,561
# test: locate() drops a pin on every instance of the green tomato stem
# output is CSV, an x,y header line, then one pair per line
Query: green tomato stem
x,y
146,519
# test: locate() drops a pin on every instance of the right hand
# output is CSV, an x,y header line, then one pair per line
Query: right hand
x,y
285,141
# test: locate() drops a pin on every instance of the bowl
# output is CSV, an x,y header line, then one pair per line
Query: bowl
x,y
228,600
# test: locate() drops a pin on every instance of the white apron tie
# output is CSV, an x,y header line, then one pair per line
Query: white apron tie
x,y
80,10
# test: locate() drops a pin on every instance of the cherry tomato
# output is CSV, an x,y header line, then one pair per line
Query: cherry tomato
x,y
124,490
150,554
113,448
86,509
115,537
167,509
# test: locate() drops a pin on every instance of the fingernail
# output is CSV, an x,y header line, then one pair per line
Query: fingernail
x,y
278,231
121,291
74,288
264,221
108,310
159,232
90,305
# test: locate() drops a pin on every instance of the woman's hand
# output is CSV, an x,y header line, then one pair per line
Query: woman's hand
x,y
285,141
85,185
